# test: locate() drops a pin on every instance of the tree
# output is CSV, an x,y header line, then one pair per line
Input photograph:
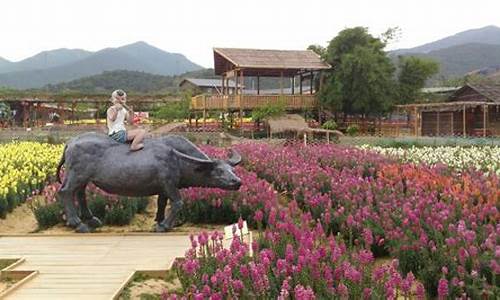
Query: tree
x,y
173,111
318,49
362,78
413,73
5,113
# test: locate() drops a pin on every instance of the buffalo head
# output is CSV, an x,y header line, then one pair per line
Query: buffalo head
x,y
210,173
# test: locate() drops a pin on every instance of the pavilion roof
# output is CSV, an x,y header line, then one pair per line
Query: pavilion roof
x,y
267,62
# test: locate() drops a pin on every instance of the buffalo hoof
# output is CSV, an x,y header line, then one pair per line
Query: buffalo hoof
x,y
160,228
82,228
94,222
74,222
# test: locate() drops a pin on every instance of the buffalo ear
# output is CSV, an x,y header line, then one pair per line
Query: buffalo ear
x,y
202,164
235,158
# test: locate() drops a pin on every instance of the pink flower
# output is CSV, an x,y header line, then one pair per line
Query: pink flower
x,y
368,237
365,257
442,288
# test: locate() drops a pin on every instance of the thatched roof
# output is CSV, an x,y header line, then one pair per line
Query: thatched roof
x,y
286,123
491,91
267,62
295,123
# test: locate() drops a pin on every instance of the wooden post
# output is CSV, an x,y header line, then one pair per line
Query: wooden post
x,y
293,85
300,86
311,85
305,139
328,137
281,83
258,85
240,100
437,131
416,122
39,114
242,82
485,107
236,82
204,112
452,125
464,127
223,86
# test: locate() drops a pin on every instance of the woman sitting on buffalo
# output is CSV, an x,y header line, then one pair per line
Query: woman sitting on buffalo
x,y
116,116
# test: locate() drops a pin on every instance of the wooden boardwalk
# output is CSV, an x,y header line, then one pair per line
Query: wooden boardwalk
x,y
87,266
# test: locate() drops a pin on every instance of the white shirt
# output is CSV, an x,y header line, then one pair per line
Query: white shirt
x,y
119,123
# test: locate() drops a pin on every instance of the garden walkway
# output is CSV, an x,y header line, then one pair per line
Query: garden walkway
x,y
87,266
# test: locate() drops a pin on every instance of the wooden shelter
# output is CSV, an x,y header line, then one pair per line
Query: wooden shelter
x,y
205,85
473,110
31,108
297,125
237,64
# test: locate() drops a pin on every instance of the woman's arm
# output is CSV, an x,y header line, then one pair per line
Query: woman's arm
x,y
112,113
130,115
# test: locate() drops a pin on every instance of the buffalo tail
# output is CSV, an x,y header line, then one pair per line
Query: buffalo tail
x,y
61,163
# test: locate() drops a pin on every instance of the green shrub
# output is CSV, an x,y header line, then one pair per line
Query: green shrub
x,y
4,204
47,215
97,205
268,110
121,213
352,130
330,125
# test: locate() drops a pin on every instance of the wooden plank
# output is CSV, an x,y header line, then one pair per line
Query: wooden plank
x,y
25,278
88,267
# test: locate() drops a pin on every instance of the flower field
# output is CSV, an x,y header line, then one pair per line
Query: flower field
x,y
24,168
482,158
324,214
346,207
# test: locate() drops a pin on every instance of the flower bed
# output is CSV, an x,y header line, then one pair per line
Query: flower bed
x,y
293,259
24,168
441,226
111,209
482,158
213,205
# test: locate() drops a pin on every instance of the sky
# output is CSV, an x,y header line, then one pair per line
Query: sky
x,y
193,28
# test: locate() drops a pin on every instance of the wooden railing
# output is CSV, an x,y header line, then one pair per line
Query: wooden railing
x,y
245,102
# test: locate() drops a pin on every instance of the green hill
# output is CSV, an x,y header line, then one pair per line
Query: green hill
x,y
130,81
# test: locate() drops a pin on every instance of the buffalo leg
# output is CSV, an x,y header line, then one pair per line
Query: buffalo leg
x,y
86,213
162,204
66,194
176,206
160,213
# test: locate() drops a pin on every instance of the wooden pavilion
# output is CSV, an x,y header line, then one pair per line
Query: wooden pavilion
x,y
30,108
473,110
237,64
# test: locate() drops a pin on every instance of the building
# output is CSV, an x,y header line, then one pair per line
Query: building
x,y
301,67
472,110
205,86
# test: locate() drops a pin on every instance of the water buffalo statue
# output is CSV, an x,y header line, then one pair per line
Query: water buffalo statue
x,y
165,165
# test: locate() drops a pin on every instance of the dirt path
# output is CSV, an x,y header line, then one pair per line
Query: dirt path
x,y
22,221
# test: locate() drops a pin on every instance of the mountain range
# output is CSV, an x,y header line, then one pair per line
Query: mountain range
x,y
62,65
462,53
472,51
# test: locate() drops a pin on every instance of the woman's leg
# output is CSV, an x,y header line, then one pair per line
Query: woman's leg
x,y
136,136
